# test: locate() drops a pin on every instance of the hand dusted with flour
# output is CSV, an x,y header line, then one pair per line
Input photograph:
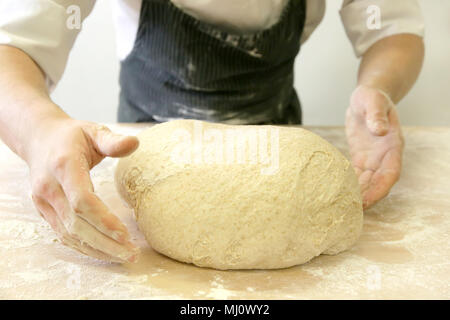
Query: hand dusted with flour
x,y
241,197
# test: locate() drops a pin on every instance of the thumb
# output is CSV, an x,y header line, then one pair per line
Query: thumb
x,y
110,144
377,119
375,104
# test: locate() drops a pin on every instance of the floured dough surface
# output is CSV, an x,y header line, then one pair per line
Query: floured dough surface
x,y
240,197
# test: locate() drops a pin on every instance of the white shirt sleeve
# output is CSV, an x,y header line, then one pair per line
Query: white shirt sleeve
x,y
396,16
44,29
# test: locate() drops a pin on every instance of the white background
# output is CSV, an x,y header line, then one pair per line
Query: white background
x,y
325,71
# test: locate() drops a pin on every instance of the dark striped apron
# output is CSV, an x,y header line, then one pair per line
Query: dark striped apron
x,y
181,67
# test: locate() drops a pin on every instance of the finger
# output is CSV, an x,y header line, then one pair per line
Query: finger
x,y
110,144
50,215
395,123
87,250
89,207
359,159
384,178
377,119
76,186
88,234
381,184
358,171
364,179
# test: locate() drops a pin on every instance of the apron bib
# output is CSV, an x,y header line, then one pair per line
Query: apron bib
x,y
181,67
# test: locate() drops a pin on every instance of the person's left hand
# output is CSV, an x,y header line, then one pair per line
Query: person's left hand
x,y
376,142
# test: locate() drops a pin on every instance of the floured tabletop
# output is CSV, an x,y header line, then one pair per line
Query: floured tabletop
x,y
404,251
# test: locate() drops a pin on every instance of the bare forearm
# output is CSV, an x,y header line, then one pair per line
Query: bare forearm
x,y
24,99
392,65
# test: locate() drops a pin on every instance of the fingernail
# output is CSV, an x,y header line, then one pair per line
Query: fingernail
x,y
380,125
119,236
133,259
135,255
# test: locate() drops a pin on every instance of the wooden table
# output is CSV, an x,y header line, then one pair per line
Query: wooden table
x,y
404,251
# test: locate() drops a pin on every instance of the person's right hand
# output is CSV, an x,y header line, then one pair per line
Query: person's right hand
x,y
60,156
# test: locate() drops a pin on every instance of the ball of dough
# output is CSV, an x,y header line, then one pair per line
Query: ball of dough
x,y
240,197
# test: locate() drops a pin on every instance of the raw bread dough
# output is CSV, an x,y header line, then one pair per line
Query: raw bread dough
x,y
240,197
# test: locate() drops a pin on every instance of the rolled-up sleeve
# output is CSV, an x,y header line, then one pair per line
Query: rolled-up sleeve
x,y
395,17
44,30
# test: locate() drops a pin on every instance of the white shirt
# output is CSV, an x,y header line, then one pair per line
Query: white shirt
x,y
39,27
